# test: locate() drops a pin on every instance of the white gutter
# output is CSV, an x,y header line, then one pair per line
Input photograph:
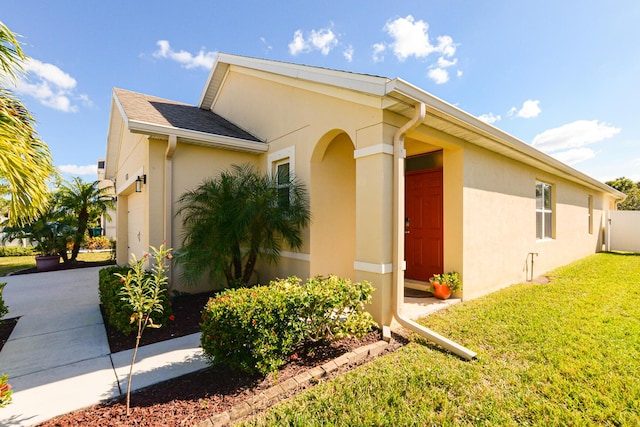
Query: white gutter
x,y
399,155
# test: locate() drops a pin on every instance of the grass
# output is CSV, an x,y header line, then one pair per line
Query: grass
x,y
564,353
9,264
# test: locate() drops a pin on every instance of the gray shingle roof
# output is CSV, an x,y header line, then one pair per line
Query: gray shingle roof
x,y
163,112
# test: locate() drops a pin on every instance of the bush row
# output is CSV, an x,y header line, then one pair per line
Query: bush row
x,y
117,311
17,251
256,329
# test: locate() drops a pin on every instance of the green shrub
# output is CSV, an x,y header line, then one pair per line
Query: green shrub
x,y
117,311
255,329
17,251
3,308
334,307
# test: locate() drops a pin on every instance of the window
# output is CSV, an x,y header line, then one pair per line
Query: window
x,y
544,210
590,213
282,168
282,182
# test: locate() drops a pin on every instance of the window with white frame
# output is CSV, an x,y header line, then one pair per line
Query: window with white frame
x,y
282,179
590,213
544,210
282,169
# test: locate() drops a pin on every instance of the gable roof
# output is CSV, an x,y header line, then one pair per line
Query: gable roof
x,y
152,110
401,97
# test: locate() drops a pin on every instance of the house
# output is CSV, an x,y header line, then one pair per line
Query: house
x,y
402,184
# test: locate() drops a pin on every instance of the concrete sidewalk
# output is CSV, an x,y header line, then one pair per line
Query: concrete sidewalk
x,y
58,357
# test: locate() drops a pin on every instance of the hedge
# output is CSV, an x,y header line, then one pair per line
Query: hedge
x,y
254,330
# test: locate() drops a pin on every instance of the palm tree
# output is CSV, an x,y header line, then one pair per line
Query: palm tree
x,y
25,161
85,202
231,220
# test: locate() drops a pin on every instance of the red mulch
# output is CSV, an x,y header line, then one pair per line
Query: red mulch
x,y
192,398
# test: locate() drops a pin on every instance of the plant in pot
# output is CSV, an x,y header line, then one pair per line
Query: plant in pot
x,y
443,285
49,234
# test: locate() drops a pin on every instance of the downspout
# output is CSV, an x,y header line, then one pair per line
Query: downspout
x,y
399,155
168,196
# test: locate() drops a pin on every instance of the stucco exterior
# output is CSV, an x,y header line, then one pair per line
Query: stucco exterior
x,y
337,131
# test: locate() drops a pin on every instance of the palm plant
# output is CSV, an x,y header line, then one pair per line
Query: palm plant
x,y
25,160
85,202
231,220
49,232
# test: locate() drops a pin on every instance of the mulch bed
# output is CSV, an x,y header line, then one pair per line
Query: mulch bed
x,y
190,399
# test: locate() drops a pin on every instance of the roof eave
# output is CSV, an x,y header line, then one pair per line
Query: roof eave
x,y
473,124
198,138
373,85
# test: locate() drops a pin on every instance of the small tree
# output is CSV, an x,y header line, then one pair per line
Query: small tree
x,y
84,202
231,220
143,293
49,232
631,189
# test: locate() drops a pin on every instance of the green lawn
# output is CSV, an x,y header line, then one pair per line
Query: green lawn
x,y
564,353
9,264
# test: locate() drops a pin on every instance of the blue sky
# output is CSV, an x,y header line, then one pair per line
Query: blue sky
x,y
563,76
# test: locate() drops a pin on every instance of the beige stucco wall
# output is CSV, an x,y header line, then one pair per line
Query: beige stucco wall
x,y
499,223
131,162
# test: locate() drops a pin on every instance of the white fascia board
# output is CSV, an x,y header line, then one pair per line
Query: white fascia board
x,y
472,123
196,137
372,85
111,151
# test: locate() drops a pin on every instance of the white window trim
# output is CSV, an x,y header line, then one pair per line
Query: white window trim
x,y
543,211
279,157
590,212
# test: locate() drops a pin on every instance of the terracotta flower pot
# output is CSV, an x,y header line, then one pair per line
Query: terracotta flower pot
x,y
441,291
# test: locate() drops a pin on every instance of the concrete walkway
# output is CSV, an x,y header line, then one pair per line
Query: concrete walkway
x,y
58,357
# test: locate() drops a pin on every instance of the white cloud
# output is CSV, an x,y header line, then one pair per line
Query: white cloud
x,y
438,75
411,38
575,155
50,85
50,73
530,109
298,44
267,46
79,170
378,50
445,63
348,53
459,73
323,40
490,118
203,59
574,135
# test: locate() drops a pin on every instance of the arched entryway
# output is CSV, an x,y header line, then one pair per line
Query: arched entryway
x,y
333,206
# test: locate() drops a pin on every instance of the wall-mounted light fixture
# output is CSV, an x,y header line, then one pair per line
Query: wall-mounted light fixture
x,y
141,179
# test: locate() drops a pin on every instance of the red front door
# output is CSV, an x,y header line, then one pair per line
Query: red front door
x,y
423,239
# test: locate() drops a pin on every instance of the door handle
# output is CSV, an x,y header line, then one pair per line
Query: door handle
x,y
406,232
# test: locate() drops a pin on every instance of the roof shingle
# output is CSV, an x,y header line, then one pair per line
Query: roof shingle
x,y
163,112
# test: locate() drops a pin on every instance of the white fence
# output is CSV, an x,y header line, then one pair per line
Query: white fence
x,y
623,231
